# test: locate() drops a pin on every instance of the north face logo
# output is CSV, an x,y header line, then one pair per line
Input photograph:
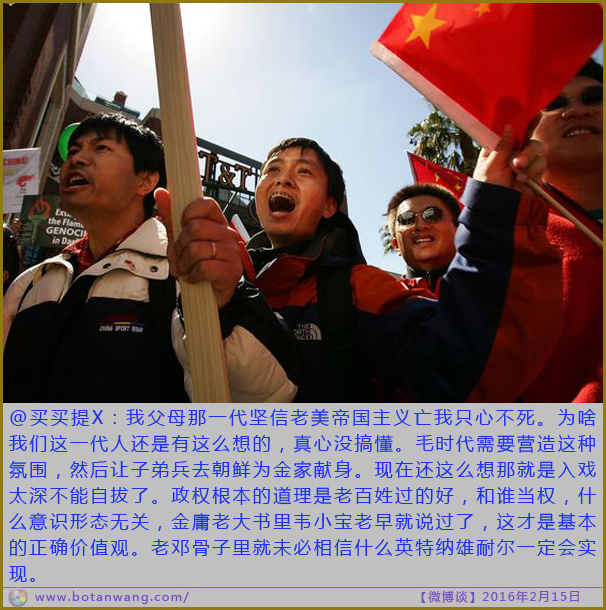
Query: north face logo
x,y
307,332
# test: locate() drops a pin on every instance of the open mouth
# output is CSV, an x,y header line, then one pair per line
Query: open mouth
x,y
423,239
75,180
585,130
281,203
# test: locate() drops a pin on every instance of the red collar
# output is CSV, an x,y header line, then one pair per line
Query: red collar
x,y
83,256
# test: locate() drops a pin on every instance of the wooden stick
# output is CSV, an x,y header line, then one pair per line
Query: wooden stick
x,y
204,342
541,192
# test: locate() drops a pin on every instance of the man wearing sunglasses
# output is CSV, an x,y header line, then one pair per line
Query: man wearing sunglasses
x,y
422,219
570,131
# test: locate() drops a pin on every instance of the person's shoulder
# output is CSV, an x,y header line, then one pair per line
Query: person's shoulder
x,y
24,280
377,291
371,273
572,242
58,261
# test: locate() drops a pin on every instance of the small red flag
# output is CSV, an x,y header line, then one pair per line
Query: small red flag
x,y
238,226
487,65
426,171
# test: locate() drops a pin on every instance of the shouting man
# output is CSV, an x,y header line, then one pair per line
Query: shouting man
x,y
361,334
98,322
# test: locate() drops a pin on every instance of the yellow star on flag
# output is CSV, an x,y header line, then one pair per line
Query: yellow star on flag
x,y
437,177
458,187
424,25
483,8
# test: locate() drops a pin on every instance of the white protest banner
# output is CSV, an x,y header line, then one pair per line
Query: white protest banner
x,y
21,176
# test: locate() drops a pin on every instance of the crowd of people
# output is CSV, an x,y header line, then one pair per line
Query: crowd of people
x,y
501,300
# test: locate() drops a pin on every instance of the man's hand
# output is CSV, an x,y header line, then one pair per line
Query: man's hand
x,y
206,249
505,168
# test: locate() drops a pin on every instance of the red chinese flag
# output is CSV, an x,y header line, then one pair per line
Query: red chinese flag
x,y
486,65
426,171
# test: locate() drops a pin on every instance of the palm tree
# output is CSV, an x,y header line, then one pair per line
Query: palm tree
x,y
386,239
437,139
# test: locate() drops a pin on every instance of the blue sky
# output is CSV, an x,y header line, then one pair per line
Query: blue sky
x,y
263,72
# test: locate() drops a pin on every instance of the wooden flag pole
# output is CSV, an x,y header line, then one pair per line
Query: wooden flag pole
x,y
541,192
204,342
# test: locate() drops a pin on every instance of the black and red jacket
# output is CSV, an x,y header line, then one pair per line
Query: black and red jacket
x,y
483,340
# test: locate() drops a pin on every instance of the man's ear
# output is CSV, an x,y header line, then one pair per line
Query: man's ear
x,y
394,243
330,209
147,181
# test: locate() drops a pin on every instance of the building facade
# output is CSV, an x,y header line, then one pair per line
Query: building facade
x,y
42,47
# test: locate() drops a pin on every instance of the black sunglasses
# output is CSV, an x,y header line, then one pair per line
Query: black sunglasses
x,y
592,96
430,215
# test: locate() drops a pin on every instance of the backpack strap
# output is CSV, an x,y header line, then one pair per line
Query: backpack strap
x,y
338,320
